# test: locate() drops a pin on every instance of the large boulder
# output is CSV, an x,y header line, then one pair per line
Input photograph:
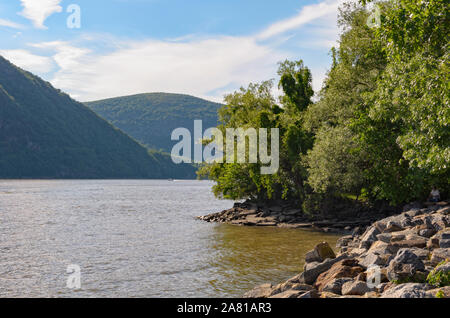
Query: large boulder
x,y
409,290
313,270
321,252
405,265
348,268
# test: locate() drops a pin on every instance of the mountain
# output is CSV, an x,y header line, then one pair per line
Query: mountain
x,y
46,134
151,118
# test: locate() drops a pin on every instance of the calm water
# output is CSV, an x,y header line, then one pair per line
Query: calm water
x,y
135,239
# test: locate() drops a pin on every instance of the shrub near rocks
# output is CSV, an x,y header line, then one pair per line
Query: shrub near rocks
x,y
440,276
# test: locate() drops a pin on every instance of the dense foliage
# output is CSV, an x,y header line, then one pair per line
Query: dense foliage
x,y
46,134
379,129
151,118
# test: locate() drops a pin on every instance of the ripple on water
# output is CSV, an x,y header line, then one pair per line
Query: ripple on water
x,y
135,238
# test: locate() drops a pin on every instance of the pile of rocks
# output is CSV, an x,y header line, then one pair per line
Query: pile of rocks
x,y
391,259
289,216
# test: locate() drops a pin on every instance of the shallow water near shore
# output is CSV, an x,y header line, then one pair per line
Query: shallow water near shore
x,y
136,238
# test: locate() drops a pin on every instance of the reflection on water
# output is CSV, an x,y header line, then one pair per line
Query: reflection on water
x,y
248,256
135,238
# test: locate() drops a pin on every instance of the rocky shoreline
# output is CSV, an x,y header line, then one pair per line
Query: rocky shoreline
x,y
402,256
287,215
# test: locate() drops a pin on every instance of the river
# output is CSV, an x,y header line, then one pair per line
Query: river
x,y
135,238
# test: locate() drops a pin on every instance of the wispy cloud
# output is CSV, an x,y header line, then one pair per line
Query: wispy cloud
x,y
39,10
11,24
306,15
208,67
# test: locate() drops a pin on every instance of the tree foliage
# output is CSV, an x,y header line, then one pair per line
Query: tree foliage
x,y
380,126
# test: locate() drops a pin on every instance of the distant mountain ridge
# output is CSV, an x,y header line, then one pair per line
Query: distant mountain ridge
x,y
46,134
151,118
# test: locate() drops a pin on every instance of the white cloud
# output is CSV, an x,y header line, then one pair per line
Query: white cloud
x,y
194,67
306,15
206,67
28,61
10,24
39,10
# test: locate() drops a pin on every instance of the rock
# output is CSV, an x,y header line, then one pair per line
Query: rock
x,y
420,243
355,288
440,222
444,291
329,295
262,291
335,286
347,268
416,205
427,232
384,237
310,294
344,241
444,268
404,265
444,210
392,226
433,243
356,231
369,237
372,259
289,294
313,270
320,253
409,290
382,248
439,255
444,243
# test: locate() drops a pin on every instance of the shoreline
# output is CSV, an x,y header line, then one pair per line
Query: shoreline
x,y
286,215
402,256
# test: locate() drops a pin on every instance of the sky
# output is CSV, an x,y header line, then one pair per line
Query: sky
x,y
205,48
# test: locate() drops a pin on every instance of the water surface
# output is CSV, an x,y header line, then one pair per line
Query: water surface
x,y
135,238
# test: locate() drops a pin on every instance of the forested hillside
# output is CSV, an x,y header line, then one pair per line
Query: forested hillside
x,y
46,134
380,130
151,118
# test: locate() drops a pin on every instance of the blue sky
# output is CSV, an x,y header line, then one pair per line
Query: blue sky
x,y
205,48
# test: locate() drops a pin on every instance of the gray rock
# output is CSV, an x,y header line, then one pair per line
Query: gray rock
x,y
404,265
427,233
369,237
355,288
439,255
335,286
416,205
409,290
372,259
343,241
444,243
384,237
392,226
